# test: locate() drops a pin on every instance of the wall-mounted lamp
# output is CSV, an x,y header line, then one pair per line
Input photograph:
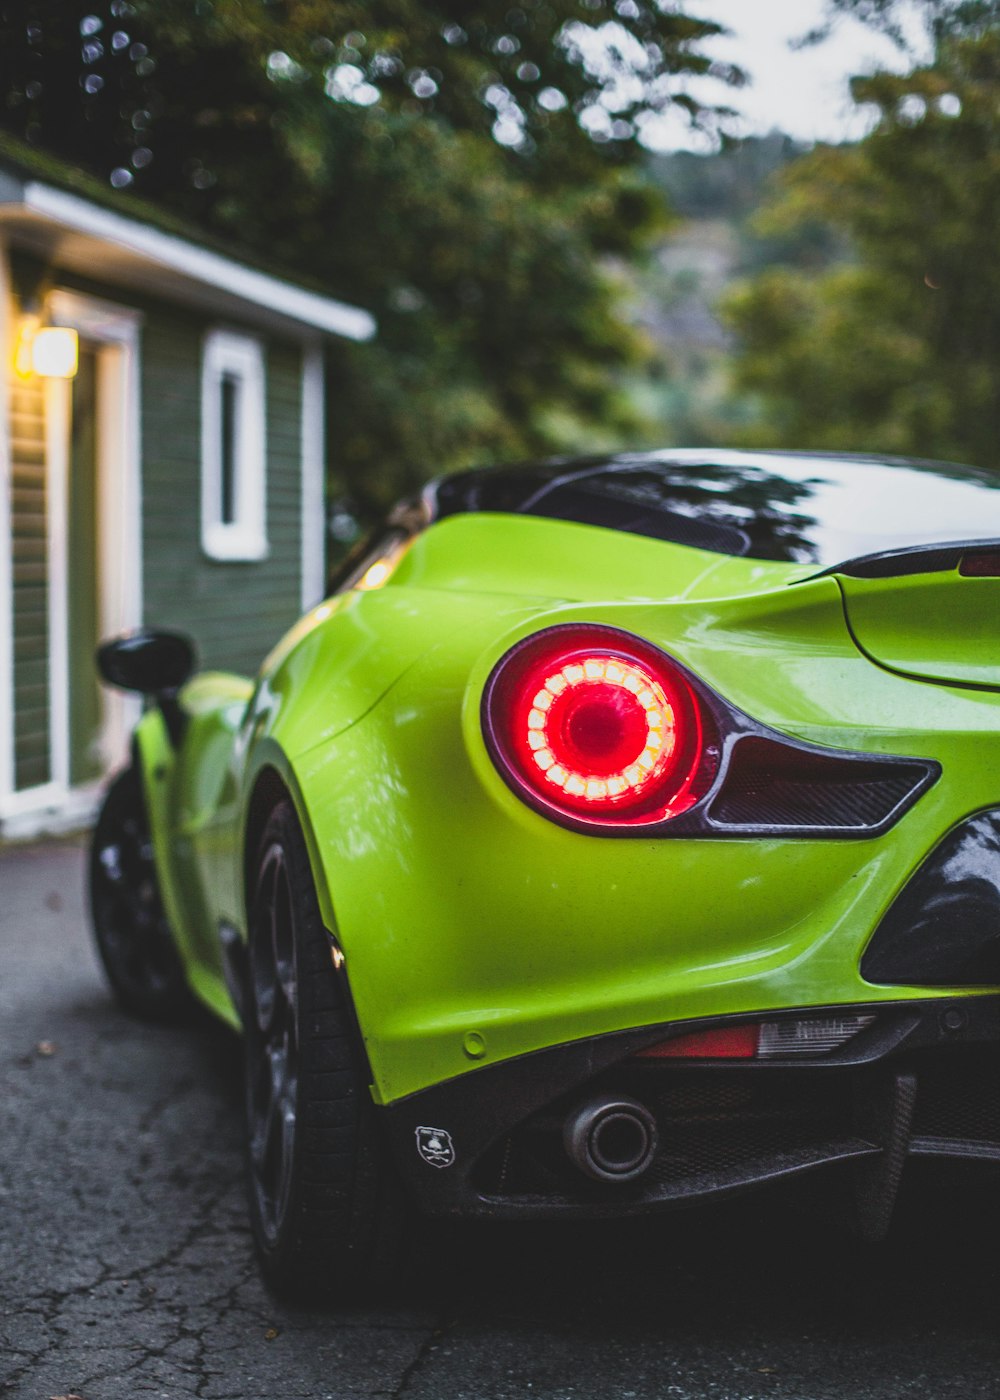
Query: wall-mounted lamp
x,y
50,351
55,352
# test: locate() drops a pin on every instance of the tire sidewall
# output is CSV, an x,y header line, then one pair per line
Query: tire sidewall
x,y
338,1206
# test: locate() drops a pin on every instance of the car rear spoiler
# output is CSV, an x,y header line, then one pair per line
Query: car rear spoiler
x,y
974,558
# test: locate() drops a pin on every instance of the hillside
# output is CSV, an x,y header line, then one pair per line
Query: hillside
x,y
686,390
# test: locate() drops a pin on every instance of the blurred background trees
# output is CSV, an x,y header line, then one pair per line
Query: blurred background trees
x,y
475,174
896,347
465,171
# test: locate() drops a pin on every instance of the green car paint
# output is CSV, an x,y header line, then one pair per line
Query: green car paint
x,y
473,928
192,799
939,627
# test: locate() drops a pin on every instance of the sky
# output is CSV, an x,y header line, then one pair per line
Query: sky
x,y
804,93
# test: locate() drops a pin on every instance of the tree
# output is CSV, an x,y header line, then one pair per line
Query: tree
x,y
465,171
898,349
902,19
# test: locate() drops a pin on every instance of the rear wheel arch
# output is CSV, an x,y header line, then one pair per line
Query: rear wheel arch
x,y
273,783
269,790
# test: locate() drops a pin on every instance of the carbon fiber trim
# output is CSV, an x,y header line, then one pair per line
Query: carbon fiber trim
x,y
784,787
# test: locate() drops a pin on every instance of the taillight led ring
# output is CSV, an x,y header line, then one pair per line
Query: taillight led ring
x,y
588,722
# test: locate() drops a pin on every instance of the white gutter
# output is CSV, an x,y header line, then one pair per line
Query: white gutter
x,y
199,264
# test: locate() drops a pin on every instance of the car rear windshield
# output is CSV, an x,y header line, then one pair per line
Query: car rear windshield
x,y
796,508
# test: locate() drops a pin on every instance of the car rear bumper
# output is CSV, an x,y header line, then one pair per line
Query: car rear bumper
x,y
921,1080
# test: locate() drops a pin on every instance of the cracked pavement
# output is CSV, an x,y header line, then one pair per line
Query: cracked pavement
x,y
126,1265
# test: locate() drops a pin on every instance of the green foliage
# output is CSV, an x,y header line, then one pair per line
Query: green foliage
x,y
684,388
465,171
900,351
498,327
730,185
725,184
940,18
910,24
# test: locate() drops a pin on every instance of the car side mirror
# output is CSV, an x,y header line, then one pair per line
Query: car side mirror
x,y
155,663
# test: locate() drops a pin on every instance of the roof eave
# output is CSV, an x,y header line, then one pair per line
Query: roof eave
x,y
75,231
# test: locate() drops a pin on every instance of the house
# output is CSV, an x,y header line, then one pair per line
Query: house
x,y
161,462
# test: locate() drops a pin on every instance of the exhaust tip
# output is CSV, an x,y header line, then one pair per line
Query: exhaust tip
x,y
611,1139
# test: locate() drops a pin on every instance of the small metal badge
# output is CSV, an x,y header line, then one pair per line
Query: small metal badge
x,y
435,1146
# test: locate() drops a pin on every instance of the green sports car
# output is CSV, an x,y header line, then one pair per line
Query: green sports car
x,y
619,833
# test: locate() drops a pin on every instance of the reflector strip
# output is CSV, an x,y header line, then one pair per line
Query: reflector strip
x,y
720,1043
816,1036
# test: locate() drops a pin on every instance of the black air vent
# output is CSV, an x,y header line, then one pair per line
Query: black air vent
x,y
776,785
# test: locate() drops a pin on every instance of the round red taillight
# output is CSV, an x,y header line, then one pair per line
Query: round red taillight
x,y
593,723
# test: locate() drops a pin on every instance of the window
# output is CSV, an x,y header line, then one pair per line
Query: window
x,y
233,448
803,508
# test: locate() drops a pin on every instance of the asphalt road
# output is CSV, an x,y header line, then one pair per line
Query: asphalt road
x,y
126,1266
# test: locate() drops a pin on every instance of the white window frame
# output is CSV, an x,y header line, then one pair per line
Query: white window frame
x,y
227,354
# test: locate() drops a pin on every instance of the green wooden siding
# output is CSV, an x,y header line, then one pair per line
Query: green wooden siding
x,y
32,758
235,611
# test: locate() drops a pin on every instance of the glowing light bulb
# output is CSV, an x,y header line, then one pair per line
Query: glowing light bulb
x,y
55,352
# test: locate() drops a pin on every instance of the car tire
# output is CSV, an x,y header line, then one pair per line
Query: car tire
x,y
133,936
324,1205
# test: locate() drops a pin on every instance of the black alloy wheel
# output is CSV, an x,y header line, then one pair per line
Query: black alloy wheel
x,y
130,926
324,1204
